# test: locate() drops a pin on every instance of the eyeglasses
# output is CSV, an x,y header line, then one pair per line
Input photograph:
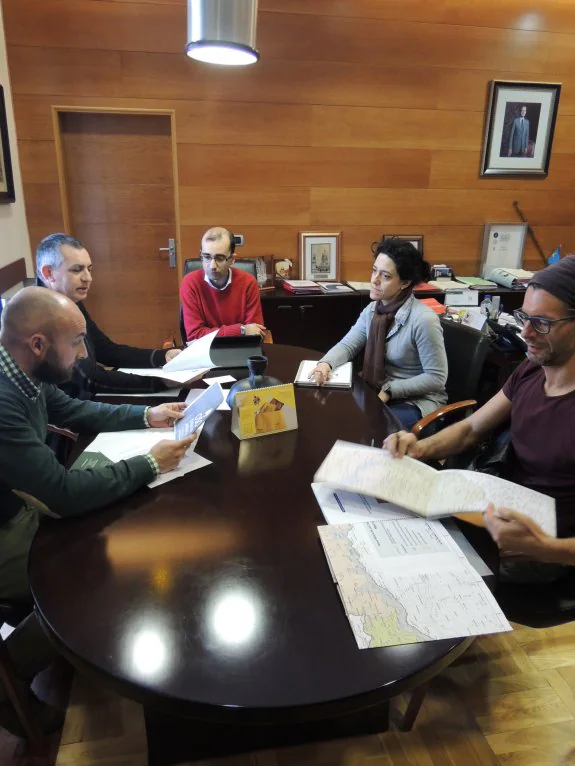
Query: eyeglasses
x,y
542,325
219,259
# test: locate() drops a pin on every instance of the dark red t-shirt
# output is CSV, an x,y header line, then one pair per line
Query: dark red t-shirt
x,y
543,437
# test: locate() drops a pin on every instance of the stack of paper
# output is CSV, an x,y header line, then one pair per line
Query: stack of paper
x,y
360,285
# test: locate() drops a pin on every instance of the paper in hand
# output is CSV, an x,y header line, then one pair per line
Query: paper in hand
x,y
198,411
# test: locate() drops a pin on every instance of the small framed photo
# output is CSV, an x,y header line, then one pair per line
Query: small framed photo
x,y
265,272
415,239
519,128
7,193
320,255
503,245
283,268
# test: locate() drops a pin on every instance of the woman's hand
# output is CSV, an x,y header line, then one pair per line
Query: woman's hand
x,y
321,373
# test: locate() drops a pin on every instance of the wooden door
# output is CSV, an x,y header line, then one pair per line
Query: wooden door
x,y
119,195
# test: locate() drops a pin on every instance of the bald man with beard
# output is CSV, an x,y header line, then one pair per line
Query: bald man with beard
x,y
41,341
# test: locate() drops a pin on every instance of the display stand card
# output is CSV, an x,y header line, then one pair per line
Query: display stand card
x,y
263,411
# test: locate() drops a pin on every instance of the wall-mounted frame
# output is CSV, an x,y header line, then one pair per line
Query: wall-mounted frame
x,y
415,239
7,193
319,255
519,127
503,245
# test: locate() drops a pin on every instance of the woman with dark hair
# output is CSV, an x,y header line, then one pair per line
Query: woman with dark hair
x,y
404,359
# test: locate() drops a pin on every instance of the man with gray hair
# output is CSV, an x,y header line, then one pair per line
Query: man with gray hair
x,y
63,264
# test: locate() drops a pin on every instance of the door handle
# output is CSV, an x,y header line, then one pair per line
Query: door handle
x,y
304,307
284,307
171,251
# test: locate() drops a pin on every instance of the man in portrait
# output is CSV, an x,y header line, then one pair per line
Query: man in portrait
x,y
519,135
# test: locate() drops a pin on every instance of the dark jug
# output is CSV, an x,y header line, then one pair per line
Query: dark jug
x,y
257,366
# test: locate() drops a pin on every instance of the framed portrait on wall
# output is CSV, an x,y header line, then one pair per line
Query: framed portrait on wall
x,y
503,245
6,179
415,239
519,128
319,255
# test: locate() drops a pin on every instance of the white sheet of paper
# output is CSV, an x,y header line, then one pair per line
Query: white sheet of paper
x,y
191,462
195,355
341,507
179,376
193,394
221,380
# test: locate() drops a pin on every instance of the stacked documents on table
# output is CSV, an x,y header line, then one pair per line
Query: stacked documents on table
x,y
476,283
447,285
360,286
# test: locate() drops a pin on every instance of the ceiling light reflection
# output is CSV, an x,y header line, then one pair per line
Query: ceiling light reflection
x,y
149,651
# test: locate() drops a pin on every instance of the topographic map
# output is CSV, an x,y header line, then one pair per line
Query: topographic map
x,y
406,581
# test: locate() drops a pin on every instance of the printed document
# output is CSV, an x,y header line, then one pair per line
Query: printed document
x,y
425,491
340,377
198,411
406,581
192,363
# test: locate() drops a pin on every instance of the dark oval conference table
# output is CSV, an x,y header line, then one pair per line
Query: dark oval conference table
x,y
210,597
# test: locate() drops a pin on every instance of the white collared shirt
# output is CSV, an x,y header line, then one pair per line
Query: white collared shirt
x,y
228,283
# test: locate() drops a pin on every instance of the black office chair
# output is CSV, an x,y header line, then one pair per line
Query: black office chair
x,y
193,264
466,350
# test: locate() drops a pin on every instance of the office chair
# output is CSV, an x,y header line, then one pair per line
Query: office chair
x,y
466,350
13,613
193,264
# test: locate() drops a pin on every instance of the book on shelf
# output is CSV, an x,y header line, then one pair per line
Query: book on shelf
x,y
301,286
447,285
426,492
333,288
360,286
476,283
340,376
433,304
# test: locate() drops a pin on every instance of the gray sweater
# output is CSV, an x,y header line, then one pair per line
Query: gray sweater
x,y
29,470
415,359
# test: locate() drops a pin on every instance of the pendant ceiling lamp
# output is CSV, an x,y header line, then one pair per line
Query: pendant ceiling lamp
x,y
222,31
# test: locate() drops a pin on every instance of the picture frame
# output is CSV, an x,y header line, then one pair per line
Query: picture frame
x,y
519,127
503,245
320,256
415,239
283,268
265,272
7,193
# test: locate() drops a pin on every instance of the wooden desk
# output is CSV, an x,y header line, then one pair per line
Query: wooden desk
x,y
320,321
210,597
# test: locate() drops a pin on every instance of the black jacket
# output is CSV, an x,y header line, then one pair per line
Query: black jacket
x,y
90,376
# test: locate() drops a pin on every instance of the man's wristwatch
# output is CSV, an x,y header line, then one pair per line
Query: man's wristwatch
x,y
242,329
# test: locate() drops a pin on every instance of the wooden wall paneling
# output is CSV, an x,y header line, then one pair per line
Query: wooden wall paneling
x,y
303,166
276,81
117,203
38,159
406,10
43,206
396,128
513,14
240,206
460,170
102,25
457,207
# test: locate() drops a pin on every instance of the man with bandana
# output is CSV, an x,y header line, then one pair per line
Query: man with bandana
x,y
538,401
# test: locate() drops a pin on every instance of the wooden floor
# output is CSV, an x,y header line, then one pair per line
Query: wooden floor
x,y
510,700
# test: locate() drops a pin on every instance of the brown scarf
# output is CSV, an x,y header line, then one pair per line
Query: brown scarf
x,y
381,324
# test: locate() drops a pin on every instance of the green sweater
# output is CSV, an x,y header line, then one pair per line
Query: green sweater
x,y
29,466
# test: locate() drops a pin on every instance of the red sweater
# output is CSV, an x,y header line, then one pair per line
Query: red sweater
x,y
206,309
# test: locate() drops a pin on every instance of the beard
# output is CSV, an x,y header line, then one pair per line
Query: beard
x,y
50,370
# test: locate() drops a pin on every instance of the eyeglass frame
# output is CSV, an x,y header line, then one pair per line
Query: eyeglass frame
x,y
522,318
218,258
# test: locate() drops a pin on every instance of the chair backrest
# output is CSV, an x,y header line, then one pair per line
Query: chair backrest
x,y
193,264
243,264
466,349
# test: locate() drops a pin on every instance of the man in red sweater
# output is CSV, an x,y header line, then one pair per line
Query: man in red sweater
x,y
220,297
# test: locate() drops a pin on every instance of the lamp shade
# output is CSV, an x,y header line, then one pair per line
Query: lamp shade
x,y
222,31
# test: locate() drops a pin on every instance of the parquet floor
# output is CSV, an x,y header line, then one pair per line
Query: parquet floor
x,y
510,700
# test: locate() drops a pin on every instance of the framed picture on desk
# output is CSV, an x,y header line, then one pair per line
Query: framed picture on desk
x,y
415,239
320,256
